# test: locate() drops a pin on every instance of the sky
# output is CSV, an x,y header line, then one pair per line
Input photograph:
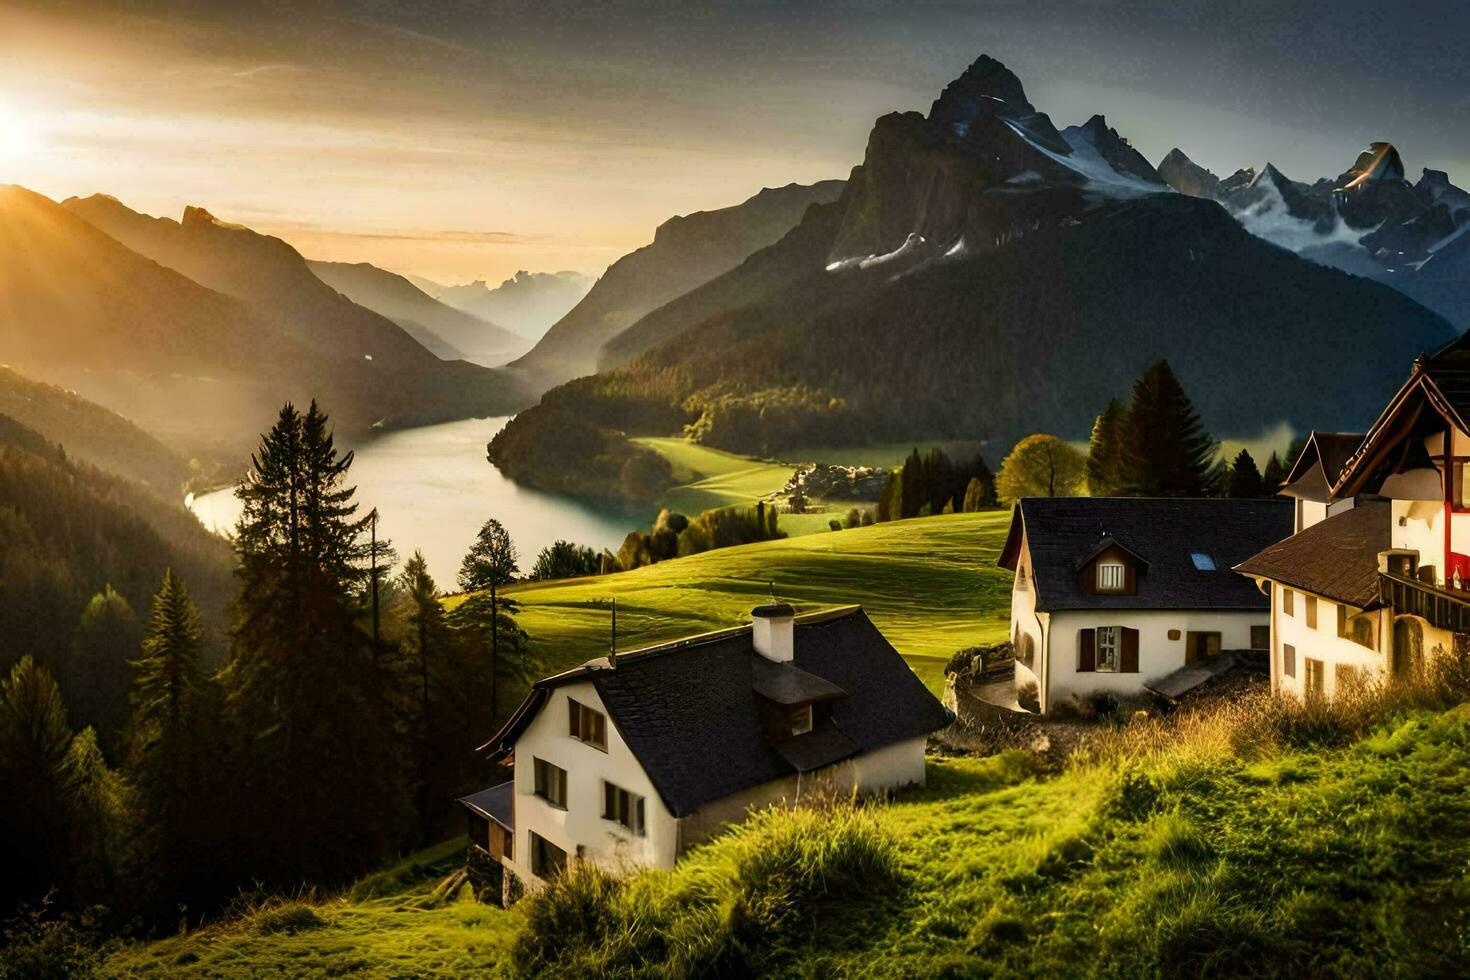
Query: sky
x,y
466,140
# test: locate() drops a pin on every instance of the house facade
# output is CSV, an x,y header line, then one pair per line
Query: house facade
x,y
1395,586
629,760
1111,593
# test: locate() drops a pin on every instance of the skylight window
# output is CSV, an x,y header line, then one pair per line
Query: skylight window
x,y
1202,561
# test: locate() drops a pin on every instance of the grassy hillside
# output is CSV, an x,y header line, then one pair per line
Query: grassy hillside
x,y
930,584
1256,840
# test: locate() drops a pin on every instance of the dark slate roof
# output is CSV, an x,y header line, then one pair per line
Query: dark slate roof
x,y
786,684
689,713
1321,462
1163,531
1336,558
495,803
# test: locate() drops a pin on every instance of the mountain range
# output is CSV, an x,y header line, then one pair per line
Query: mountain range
x,y
686,252
198,330
448,332
1369,220
528,303
986,274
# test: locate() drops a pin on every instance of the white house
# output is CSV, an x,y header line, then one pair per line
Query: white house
x,y
1388,589
1112,593
629,760
1309,483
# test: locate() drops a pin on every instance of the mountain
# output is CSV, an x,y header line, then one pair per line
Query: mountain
x,y
528,303
986,275
204,371
1369,220
92,433
1188,177
686,251
449,333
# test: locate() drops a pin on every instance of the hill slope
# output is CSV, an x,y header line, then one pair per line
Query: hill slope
x,y
448,332
686,251
987,275
528,303
201,369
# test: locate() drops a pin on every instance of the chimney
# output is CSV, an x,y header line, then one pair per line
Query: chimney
x,y
772,629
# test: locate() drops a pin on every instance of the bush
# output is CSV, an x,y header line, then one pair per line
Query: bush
x,y
38,944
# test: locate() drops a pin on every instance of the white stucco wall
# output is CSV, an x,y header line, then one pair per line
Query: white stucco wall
x,y
581,824
1026,622
1321,643
1157,654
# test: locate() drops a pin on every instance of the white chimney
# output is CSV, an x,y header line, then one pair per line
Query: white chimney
x,y
772,629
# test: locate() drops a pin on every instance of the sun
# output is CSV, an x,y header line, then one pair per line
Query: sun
x,y
19,138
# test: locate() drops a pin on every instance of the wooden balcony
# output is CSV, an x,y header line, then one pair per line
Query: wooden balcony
x,y
1443,608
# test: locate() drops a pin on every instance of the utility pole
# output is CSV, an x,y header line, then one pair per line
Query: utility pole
x,y
612,648
373,550
494,643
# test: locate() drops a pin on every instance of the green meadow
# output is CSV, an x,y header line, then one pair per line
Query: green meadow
x,y
930,584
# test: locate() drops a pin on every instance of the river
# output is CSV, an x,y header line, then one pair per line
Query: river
x,y
434,488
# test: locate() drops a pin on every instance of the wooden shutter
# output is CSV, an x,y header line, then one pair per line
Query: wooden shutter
x,y
1311,612
1288,660
1129,662
1130,578
1287,605
574,719
1086,650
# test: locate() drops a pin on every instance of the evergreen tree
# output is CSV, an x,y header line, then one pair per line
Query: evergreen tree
x,y
1274,476
35,740
1166,451
303,696
890,501
490,563
1245,478
563,559
1105,451
97,677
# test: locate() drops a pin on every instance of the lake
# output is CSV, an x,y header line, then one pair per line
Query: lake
x,y
434,488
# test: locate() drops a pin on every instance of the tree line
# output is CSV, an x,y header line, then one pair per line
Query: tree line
x,y
335,735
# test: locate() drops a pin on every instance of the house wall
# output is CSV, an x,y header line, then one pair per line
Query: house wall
x,y
1321,643
1309,512
580,828
1025,622
1157,654
889,768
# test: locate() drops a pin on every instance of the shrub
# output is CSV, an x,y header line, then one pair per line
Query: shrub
x,y
38,943
286,917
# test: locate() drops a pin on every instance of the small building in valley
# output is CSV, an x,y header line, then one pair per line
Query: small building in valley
x,y
1111,593
629,760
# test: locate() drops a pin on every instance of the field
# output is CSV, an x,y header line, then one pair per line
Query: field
x,y
710,478
1255,841
930,584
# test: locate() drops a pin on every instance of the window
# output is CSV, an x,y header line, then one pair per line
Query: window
x,y
1260,637
621,806
801,719
1202,561
1361,631
586,725
1288,660
551,783
1110,576
1021,584
546,858
1107,648
1288,602
1311,604
1462,491
1315,677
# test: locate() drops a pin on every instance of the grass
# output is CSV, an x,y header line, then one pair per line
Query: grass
x,y
710,478
392,924
930,584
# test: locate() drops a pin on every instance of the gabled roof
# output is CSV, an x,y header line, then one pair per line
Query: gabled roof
x,y
788,685
495,803
1165,531
1107,543
1336,558
1320,464
688,710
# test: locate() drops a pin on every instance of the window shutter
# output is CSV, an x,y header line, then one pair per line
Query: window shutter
x,y
1287,606
1311,612
1086,650
1129,663
1288,660
574,719
609,801
1130,578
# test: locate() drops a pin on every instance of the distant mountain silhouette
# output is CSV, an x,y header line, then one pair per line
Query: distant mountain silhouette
x,y
528,303
203,370
686,251
450,333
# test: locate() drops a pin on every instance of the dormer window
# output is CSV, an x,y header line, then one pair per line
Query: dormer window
x,y
586,725
801,719
1110,576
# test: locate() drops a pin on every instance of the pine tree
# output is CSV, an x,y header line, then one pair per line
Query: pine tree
x,y
426,657
96,676
35,740
303,697
1105,449
1166,451
490,563
1245,479
1274,476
